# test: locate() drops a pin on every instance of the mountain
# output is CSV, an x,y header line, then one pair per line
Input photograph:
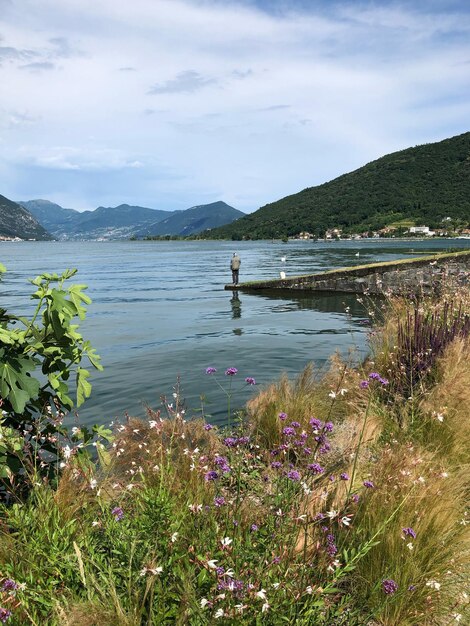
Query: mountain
x,y
16,221
425,185
119,222
193,220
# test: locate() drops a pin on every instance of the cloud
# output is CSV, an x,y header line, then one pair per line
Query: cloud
x,y
39,66
255,99
188,81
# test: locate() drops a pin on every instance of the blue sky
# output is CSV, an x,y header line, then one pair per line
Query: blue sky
x,y
172,103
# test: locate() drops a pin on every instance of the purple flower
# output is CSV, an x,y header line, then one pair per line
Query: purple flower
x,y
212,475
355,498
374,376
250,381
389,586
4,615
315,468
208,427
409,532
276,464
9,585
210,370
222,462
231,371
276,560
230,442
295,424
282,416
220,570
316,423
364,384
288,431
242,441
369,484
344,476
328,427
219,501
411,587
254,528
118,513
293,475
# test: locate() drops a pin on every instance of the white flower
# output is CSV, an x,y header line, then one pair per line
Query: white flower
x,y
275,585
95,523
174,537
204,602
212,564
343,391
265,608
219,613
433,584
195,508
332,394
261,594
153,424
332,514
410,546
309,590
457,616
151,570
226,541
93,483
439,417
346,520
76,431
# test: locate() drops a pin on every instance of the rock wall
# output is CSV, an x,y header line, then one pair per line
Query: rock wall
x,y
426,275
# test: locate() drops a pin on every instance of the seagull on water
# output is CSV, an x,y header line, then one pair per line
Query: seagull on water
x,y
283,259
357,254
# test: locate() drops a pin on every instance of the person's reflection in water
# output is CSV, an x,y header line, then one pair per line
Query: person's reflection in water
x,y
236,306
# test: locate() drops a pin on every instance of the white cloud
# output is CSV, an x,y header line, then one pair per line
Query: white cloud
x,y
200,100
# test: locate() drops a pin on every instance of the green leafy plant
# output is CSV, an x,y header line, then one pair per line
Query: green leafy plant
x,y
39,359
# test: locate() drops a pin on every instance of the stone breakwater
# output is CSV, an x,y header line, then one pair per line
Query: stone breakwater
x,y
426,274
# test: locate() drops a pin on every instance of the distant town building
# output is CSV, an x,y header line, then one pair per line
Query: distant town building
x,y
421,230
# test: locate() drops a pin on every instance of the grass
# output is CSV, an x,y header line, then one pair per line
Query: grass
x,y
338,499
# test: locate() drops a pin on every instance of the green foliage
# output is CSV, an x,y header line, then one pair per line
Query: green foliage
x,y
424,185
39,359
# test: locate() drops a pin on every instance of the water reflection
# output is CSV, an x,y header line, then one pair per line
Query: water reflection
x,y
236,305
321,301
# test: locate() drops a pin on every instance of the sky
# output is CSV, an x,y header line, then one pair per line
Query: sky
x,y
173,103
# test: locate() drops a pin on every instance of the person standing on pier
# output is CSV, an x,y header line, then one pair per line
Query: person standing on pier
x,y
235,267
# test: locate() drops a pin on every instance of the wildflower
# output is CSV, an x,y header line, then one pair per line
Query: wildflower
x,y
332,394
212,564
364,384
328,427
276,464
288,431
261,594
118,513
208,427
316,423
230,442
231,371
410,546
204,602
309,590
226,541
265,608
210,370
254,528
93,483
212,475
457,616
293,475
295,424
195,508
250,381
369,484
315,468
355,498
9,585
219,613
5,614
344,476
151,570
219,501
411,587
389,586
174,536
346,520
433,584
408,532
282,416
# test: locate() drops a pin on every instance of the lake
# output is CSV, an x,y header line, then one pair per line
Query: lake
x,y
160,312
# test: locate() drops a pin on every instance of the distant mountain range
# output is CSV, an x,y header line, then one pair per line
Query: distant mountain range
x,y
16,221
125,221
424,185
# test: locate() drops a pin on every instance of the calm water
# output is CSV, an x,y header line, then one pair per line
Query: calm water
x,y
159,311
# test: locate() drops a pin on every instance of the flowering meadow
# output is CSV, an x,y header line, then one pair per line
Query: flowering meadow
x,y
338,498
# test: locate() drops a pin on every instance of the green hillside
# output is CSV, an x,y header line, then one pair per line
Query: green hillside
x,y
422,185
16,221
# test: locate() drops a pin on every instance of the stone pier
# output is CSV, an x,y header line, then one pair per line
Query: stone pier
x,y
425,274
